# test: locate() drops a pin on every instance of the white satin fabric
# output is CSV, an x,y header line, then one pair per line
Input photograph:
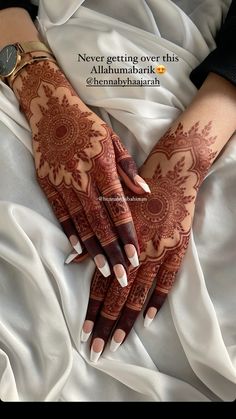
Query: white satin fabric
x,y
189,351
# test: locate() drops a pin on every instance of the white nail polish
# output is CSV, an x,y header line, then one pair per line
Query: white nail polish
x,y
144,186
94,356
84,336
114,345
123,280
105,270
71,257
78,248
75,243
147,321
134,260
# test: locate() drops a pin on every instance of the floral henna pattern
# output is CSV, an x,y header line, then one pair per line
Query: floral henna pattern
x,y
32,81
64,134
174,171
196,141
75,152
159,219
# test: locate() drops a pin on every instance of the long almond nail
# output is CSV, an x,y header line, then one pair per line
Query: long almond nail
x,y
76,244
86,330
71,257
139,181
96,350
102,265
121,275
152,311
132,255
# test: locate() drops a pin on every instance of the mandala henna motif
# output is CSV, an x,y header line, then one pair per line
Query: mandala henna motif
x,y
64,132
160,217
174,171
75,152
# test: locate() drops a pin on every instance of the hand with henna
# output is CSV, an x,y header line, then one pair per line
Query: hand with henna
x,y
78,161
174,172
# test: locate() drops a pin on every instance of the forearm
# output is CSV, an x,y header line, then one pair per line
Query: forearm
x,y
16,26
200,132
215,102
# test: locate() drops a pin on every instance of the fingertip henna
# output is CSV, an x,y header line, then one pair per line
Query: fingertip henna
x,y
175,170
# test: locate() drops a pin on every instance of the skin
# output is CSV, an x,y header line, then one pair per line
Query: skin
x,y
160,255
174,170
78,159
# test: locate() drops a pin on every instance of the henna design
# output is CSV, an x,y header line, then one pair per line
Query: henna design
x,y
174,171
161,216
64,132
99,286
76,154
32,81
195,141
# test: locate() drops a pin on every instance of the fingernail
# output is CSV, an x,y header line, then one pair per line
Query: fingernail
x,y
120,275
132,255
102,265
138,180
96,350
117,340
71,257
86,330
84,336
147,321
76,244
150,316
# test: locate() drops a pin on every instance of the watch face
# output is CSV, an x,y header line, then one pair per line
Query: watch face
x,y
8,60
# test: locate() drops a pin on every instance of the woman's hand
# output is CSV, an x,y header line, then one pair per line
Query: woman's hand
x,y
78,161
174,171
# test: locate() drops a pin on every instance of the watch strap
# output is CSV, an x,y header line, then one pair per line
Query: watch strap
x,y
32,46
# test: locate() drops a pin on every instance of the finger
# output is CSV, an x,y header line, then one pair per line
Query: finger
x,y
90,241
85,232
62,214
114,301
119,212
165,280
135,302
98,290
127,168
100,222
73,257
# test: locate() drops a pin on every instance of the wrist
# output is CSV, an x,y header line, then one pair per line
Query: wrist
x,y
16,26
28,59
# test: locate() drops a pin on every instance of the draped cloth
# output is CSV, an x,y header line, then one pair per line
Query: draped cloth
x,y
189,351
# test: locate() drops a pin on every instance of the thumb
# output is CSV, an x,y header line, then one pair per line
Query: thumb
x,y
127,168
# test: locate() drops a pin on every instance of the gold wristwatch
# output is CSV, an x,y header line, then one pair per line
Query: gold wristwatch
x,y
14,57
